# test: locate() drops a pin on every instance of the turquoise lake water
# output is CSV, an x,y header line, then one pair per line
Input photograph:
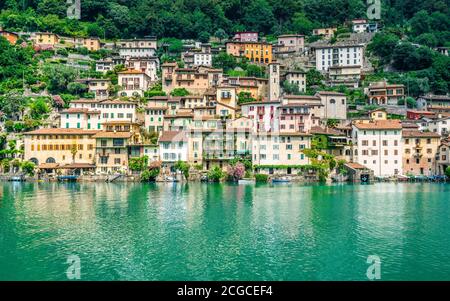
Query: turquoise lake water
x,y
224,232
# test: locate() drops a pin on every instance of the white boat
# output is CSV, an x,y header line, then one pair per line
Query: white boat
x,y
246,181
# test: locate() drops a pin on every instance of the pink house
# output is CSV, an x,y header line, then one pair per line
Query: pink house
x,y
246,36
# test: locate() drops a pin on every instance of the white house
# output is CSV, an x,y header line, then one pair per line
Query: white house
x,y
297,78
80,118
173,147
264,115
378,146
104,65
133,83
339,54
148,65
110,110
360,25
202,59
440,125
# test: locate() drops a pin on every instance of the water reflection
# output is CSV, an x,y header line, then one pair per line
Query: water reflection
x,y
220,231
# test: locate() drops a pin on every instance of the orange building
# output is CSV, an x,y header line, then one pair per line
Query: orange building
x,y
256,52
10,36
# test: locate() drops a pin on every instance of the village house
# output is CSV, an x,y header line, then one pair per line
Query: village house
x,y
133,83
436,124
360,25
80,118
341,53
257,87
60,148
435,103
137,47
246,36
112,151
378,114
263,115
325,32
196,80
279,148
98,86
416,114
332,141
44,39
91,43
110,110
297,78
154,118
419,152
378,146
294,43
443,156
348,76
148,65
255,52
324,104
119,141
296,117
104,65
11,37
173,147
382,93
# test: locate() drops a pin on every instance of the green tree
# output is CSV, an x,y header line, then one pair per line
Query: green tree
x,y
39,108
301,24
215,174
179,92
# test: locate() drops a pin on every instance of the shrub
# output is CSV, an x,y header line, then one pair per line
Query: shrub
x,y
261,178
183,167
28,167
215,174
447,171
149,175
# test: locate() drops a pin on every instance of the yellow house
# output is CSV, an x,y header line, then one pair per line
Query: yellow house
x,y
258,52
378,114
46,38
54,148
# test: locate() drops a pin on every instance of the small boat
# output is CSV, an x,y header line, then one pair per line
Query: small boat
x,y
17,178
171,179
68,178
281,180
246,181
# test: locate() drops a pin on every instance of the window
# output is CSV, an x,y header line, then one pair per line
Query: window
x,y
117,161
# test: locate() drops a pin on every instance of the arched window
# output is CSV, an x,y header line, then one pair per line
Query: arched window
x,y
123,94
34,160
332,101
50,160
347,152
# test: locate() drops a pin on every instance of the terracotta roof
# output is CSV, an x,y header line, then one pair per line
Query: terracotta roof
x,y
159,98
262,102
61,131
131,71
326,131
419,134
330,93
77,165
379,125
292,134
309,97
355,166
48,165
79,110
172,136
112,135
85,100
